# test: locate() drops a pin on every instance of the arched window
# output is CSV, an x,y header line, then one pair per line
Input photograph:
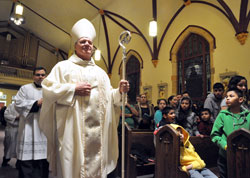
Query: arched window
x,y
133,76
194,74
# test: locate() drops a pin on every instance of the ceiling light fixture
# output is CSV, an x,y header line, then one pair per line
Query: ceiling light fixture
x,y
98,51
97,55
152,28
8,37
17,17
19,9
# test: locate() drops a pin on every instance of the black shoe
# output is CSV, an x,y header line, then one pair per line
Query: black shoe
x,y
5,162
5,165
17,164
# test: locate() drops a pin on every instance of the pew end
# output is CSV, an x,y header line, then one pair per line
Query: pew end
x,y
238,154
168,154
144,138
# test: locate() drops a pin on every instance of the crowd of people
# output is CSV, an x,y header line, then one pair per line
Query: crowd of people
x,y
221,113
67,121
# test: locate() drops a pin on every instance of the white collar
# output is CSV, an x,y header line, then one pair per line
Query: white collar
x,y
75,59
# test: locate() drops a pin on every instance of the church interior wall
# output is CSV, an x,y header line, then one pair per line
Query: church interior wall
x,y
228,56
47,59
7,95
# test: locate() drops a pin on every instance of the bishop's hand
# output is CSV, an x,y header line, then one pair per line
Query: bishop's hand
x,y
124,86
83,89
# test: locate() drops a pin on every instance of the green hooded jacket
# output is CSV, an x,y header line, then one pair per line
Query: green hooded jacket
x,y
225,123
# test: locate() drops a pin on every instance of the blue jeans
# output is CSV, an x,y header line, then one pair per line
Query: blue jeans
x,y
195,173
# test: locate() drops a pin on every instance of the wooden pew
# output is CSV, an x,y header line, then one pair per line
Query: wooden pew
x,y
168,153
145,138
238,154
206,149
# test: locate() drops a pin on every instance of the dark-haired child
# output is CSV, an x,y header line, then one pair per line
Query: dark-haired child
x,y
234,118
205,125
239,82
214,99
173,102
186,117
162,103
168,117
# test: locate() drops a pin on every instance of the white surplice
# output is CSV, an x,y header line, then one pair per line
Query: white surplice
x,y
11,131
32,143
85,126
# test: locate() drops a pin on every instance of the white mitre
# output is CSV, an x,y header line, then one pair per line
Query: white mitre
x,y
83,28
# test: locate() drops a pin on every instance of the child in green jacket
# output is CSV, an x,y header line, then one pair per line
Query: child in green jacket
x,y
228,121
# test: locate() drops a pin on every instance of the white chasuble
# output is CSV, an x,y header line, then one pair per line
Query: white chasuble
x,y
85,126
32,143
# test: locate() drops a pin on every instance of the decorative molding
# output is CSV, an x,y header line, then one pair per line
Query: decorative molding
x,y
16,72
242,37
101,11
155,62
187,2
11,80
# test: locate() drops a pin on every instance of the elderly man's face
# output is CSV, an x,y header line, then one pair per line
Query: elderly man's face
x,y
84,48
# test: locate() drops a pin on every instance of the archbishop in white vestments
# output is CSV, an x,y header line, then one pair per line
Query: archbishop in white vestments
x,y
81,125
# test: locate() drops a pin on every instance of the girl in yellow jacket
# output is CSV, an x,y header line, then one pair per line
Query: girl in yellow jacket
x,y
189,159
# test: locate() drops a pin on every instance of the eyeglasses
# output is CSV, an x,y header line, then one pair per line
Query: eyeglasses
x,y
40,75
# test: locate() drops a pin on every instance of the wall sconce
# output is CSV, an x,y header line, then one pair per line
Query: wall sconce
x,y
17,17
8,37
97,55
153,28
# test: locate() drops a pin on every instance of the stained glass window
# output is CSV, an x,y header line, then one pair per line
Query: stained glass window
x,y
194,74
133,76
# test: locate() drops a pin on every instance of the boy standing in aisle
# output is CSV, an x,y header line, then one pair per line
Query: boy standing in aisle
x,y
228,121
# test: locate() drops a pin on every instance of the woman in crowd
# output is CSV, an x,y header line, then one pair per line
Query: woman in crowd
x,y
162,103
186,117
130,113
145,113
173,102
